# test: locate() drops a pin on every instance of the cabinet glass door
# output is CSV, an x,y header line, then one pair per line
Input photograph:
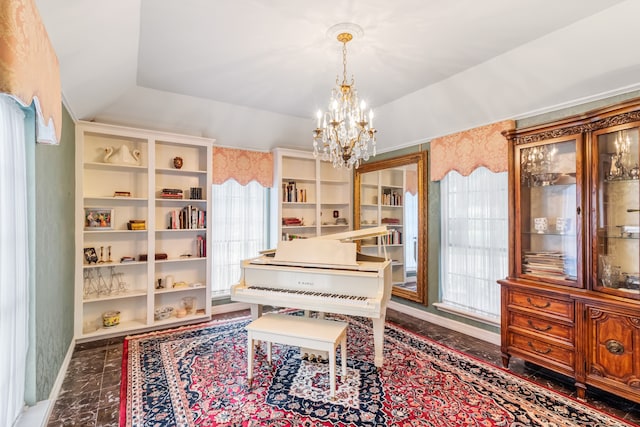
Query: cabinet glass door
x,y
617,217
547,212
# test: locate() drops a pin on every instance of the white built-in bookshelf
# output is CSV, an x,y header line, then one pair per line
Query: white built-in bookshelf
x,y
142,229
312,198
382,202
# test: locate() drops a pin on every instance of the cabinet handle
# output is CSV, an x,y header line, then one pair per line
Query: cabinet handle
x,y
614,347
578,210
538,306
537,328
547,351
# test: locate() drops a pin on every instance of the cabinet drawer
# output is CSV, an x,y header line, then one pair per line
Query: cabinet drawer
x,y
543,304
541,326
613,344
542,350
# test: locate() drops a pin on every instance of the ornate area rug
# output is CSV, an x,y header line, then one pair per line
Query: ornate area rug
x,y
196,376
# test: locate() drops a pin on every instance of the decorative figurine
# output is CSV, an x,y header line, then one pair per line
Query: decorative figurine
x,y
121,156
177,162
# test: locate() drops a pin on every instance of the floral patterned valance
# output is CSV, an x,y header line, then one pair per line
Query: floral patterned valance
x,y
466,151
29,70
243,166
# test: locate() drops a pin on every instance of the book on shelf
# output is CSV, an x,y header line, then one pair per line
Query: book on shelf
x,y
195,193
201,246
188,218
292,194
391,198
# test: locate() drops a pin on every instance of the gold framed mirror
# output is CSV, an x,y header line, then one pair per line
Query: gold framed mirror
x,y
392,192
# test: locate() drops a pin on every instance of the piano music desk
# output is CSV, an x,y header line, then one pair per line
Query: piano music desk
x,y
312,333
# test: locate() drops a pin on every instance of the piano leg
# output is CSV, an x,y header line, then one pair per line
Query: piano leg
x,y
250,355
256,311
378,340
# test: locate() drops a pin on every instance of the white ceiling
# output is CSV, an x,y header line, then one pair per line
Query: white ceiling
x,y
252,73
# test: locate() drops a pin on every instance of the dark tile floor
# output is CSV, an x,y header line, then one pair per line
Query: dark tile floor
x,y
91,389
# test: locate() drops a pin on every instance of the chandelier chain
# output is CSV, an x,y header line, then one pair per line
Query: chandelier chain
x,y
344,63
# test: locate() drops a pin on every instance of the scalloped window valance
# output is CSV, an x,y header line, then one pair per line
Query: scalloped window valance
x,y
29,70
466,151
242,165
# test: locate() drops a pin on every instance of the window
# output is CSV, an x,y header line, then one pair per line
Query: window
x,y
474,224
239,230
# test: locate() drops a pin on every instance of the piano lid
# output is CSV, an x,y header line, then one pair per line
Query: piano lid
x,y
350,236
336,249
316,251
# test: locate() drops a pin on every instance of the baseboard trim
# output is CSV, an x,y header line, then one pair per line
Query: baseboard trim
x,y
229,307
454,325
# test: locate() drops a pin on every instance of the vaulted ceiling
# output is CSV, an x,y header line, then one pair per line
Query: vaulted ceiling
x,y
252,73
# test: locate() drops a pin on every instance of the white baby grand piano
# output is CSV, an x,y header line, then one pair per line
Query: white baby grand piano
x,y
324,274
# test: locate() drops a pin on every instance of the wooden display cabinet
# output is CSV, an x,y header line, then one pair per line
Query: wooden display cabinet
x,y
572,298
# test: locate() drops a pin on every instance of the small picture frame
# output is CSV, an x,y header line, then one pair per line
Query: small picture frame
x,y
90,255
98,218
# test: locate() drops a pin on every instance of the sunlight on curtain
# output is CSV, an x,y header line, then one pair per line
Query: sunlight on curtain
x,y
475,229
239,230
13,261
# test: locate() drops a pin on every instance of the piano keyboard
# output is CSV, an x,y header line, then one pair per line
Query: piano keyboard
x,y
351,299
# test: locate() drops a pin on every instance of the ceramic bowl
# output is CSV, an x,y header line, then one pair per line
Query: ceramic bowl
x,y
162,313
110,319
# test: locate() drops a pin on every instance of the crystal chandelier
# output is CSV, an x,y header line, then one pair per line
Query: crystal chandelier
x,y
345,134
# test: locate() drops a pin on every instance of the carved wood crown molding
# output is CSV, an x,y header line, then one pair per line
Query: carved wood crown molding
x,y
618,119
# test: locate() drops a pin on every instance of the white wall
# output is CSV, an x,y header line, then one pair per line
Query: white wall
x,y
591,59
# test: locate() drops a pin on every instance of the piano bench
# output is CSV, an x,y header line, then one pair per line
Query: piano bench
x,y
312,333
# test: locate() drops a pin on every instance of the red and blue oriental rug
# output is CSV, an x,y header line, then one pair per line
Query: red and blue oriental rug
x,y
196,376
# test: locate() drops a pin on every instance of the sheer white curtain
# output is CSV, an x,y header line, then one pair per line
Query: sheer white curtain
x,y
13,261
239,230
411,232
474,227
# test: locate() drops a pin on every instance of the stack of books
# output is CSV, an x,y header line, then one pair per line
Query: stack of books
x,y
291,221
171,193
544,264
390,221
137,224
